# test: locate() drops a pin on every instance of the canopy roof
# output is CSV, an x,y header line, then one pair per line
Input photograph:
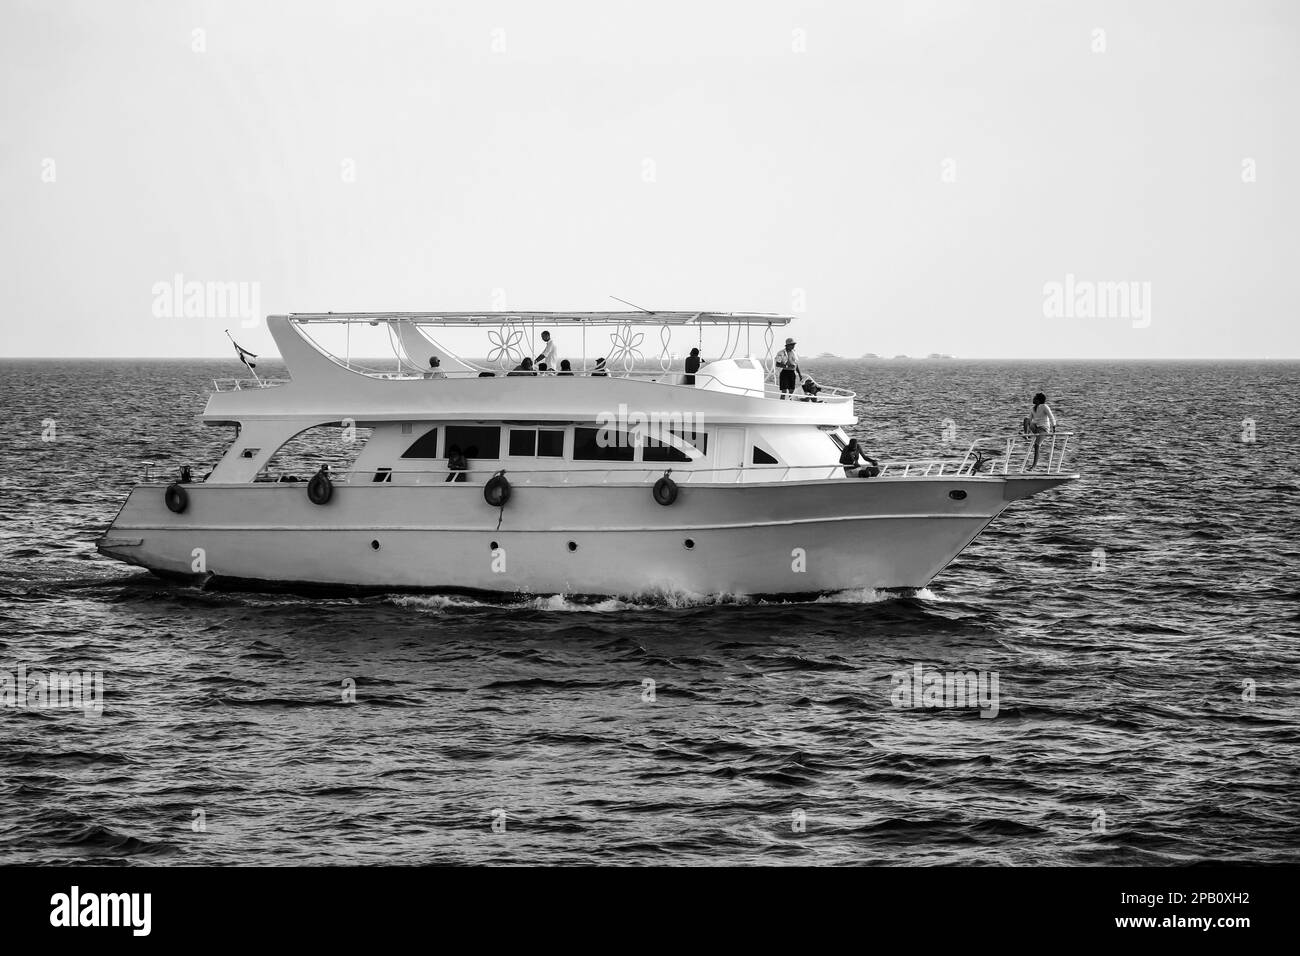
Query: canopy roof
x,y
553,318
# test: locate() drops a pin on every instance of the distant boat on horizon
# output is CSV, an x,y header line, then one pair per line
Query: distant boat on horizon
x,y
871,355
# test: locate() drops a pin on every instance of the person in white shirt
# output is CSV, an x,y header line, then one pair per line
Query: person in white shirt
x,y
1041,421
435,369
788,365
548,352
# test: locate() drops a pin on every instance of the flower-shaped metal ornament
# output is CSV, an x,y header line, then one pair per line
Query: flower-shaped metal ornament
x,y
625,350
506,351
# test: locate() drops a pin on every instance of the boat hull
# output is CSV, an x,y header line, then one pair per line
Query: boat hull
x,y
783,538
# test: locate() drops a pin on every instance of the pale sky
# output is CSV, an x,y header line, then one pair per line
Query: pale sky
x,y
906,177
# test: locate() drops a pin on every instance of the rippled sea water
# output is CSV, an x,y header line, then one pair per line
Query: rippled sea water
x,y
1126,731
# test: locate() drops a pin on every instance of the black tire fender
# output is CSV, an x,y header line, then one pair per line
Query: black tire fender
x,y
176,498
497,490
320,489
665,491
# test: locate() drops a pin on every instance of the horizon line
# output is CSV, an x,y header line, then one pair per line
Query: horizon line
x,y
849,358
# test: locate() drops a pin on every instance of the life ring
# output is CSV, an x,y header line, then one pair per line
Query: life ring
x,y
320,489
665,491
497,490
176,497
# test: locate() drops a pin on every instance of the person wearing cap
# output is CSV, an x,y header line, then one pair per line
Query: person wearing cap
x,y
788,365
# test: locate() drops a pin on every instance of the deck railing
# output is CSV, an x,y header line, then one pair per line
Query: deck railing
x,y
826,393
985,457
241,384
550,477
997,455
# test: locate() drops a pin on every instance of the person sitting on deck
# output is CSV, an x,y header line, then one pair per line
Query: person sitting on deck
x,y
850,458
600,368
523,368
456,464
565,368
435,368
543,368
810,390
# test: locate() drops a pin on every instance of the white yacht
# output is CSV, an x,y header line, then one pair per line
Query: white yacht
x,y
604,479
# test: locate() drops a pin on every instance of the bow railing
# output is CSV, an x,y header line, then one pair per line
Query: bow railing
x,y
1003,455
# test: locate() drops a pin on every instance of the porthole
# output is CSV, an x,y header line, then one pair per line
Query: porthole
x,y
375,544
690,543
492,546
957,495
573,546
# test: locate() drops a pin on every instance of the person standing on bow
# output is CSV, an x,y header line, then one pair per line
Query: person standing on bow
x,y
1041,421
788,365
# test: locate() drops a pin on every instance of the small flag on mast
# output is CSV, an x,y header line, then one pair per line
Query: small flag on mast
x,y
244,354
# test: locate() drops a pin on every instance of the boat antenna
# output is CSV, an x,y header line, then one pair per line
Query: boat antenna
x,y
632,304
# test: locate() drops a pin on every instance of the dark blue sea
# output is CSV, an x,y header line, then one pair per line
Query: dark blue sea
x,y
1144,624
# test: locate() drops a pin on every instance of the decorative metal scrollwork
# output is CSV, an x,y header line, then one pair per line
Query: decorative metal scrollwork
x,y
625,350
505,341
665,339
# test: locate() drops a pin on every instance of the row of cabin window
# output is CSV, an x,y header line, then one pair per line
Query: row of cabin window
x,y
484,442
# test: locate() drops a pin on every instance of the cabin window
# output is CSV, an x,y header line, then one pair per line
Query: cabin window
x,y
657,451
523,442
426,446
587,445
763,458
654,451
543,443
476,441
383,474
550,443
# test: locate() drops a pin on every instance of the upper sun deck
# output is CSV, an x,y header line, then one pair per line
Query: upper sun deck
x,y
326,385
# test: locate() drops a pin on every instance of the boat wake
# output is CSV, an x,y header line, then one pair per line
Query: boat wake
x,y
651,600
